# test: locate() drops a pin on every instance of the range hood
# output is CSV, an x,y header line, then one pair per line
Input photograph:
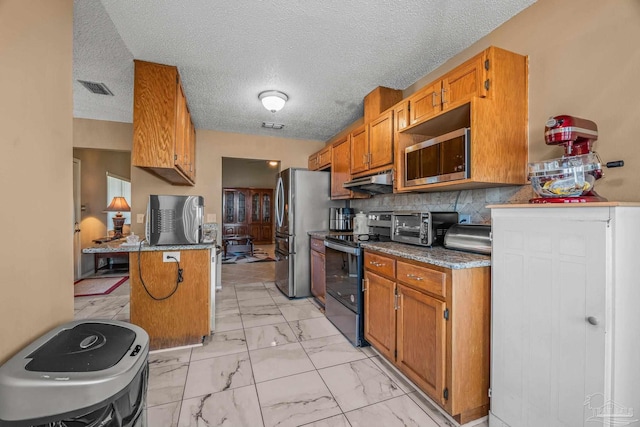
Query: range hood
x,y
373,184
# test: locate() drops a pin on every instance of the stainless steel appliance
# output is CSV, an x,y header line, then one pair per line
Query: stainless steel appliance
x,y
421,228
301,203
469,237
344,303
380,183
174,220
444,158
341,219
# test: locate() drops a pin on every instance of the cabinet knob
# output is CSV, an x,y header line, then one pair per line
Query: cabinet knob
x,y
593,320
414,277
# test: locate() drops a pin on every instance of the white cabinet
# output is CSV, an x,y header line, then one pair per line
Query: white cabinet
x,y
565,315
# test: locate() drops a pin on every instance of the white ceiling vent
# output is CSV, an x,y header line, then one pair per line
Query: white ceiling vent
x,y
269,125
97,88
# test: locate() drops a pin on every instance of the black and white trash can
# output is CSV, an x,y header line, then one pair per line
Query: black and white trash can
x,y
83,373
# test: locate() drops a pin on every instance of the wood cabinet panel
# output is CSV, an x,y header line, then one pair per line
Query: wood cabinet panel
x,y
422,340
359,140
183,318
423,278
378,100
163,144
425,103
464,82
340,168
381,141
380,264
379,313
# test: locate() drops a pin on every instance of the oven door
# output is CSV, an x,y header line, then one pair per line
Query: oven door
x,y
344,299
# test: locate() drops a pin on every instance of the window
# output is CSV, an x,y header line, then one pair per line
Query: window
x,y
117,186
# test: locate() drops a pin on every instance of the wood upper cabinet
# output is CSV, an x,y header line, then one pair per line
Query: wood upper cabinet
x,y
340,169
318,270
456,87
320,160
487,95
359,140
372,144
432,323
163,138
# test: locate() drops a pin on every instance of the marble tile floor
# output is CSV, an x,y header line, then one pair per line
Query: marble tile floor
x,y
271,362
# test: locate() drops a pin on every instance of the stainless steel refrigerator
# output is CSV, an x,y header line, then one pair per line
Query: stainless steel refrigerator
x,y
302,204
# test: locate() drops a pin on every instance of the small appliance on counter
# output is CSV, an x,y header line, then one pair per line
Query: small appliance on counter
x,y
572,177
361,224
341,219
421,228
469,237
174,220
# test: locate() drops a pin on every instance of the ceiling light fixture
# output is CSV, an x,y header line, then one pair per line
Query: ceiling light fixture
x,y
273,100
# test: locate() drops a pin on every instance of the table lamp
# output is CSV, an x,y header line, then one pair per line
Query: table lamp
x,y
118,205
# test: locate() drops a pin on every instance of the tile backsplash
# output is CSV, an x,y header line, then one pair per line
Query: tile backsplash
x,y
465,202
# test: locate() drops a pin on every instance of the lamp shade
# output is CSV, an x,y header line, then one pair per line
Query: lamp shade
x,y
118,204
273,100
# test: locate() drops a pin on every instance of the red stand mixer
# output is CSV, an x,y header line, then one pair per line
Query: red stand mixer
x,y
571,178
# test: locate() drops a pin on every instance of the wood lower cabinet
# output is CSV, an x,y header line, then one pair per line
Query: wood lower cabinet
x,y
163,132
318,270
432,323
421,335
184,317
380,317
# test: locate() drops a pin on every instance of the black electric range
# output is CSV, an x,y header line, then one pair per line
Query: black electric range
x,y
344,301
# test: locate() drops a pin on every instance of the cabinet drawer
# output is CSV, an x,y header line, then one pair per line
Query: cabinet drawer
x,y
380,264
423,278
317,245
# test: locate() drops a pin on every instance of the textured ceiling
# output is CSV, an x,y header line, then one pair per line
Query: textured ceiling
x,y
325,55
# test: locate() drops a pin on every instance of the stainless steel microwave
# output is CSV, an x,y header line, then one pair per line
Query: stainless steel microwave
x,y
440,159
174,220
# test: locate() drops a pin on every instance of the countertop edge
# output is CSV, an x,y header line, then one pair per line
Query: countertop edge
x,y
106,248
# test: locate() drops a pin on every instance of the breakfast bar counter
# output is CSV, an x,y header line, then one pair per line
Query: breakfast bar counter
x,y
170,290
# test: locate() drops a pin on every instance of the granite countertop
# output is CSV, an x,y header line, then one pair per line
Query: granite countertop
x,y
122,246
437,255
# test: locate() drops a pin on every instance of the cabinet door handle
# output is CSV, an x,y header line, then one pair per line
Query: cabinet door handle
x,y
377,264
414,277
434,95
369,158
365,282
593,320
395,302
442,91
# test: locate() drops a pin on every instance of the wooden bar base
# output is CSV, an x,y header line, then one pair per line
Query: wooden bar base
x,y
184,317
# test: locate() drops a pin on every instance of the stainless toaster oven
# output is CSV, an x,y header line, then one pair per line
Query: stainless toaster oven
x,y
421,228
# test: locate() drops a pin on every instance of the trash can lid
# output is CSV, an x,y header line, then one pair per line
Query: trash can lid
x,y
87,347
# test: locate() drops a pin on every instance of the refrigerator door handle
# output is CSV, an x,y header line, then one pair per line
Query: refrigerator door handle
x,y
279,205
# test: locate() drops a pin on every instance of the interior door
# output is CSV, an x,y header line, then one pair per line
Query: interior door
x,y
77,242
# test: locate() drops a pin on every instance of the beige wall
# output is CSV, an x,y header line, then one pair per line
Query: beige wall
x,y
36,289
89,133
584,61
247,173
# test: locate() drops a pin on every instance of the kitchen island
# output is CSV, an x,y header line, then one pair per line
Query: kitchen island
x,y
170,295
